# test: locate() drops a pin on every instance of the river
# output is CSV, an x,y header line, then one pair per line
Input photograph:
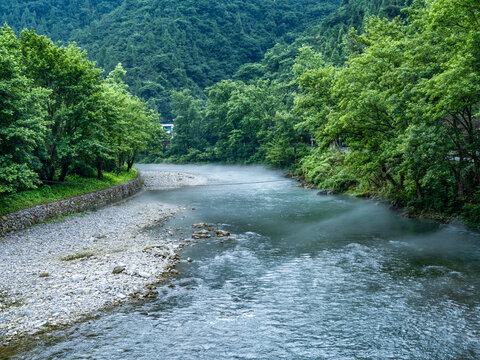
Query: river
x,y
307,277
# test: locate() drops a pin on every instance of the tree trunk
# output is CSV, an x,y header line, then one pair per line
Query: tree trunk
x,y
388,176
419,190
51,172
130,161
99,169
458,179
64,171
121,160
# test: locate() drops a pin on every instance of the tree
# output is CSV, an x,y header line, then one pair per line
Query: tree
x,y
22,119
188,124
73,81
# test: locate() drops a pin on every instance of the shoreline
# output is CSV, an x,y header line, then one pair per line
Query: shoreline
x,y
402,210
59,273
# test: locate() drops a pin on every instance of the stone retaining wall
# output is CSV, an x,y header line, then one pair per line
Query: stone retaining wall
x,y
34,215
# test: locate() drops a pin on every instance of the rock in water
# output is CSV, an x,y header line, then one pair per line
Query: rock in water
x,y
202,234
222,233
325,192
118,269
201,225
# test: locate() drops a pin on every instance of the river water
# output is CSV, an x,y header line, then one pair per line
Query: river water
x,y
308,277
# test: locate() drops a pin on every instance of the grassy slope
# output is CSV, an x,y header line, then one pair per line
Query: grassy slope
x,y
74,186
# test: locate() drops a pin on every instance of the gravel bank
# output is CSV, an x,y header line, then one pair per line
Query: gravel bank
x,y
55,274
157,180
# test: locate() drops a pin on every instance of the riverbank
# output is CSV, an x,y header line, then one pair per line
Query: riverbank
x,y
405,211
55,274
73,186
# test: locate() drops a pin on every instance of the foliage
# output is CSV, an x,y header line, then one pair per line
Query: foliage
x,y
171,45
22,118
399,118
407,107
327,170
54,18
379,97
59,117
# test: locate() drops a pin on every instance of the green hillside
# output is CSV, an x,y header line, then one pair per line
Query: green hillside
x,y
329,37
169,45
54,18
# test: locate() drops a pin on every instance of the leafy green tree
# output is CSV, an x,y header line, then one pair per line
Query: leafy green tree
x,y
128,125
22,119
188,127
73,80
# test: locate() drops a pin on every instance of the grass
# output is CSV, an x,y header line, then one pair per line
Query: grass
x,y
73,186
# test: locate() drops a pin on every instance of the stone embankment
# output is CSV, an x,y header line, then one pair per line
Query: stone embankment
x,y
58,273
34,215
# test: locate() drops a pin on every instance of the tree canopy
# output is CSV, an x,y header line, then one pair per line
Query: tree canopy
x,y
59,116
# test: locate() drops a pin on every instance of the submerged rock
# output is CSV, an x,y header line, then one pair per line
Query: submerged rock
x,y
222,233
203,225
202,234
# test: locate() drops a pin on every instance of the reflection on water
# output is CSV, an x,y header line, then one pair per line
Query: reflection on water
x,y
308,277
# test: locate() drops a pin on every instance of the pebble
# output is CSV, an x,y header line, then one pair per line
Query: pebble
x,y
118,269
143,274
116,236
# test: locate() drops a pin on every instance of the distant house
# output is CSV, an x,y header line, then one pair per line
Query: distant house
x,y
169,128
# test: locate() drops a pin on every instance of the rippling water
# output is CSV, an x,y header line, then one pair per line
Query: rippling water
x,y
308,277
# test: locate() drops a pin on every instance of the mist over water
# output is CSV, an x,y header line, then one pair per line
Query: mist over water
x,y
308,277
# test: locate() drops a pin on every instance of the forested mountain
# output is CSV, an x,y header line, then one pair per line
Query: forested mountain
x,y
169,45
329,38
54,18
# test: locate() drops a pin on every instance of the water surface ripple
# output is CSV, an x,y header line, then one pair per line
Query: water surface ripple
x,y
308,277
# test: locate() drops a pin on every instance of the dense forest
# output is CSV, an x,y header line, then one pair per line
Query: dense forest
x,y
55,18
398,119
167,45
370,97
59,116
